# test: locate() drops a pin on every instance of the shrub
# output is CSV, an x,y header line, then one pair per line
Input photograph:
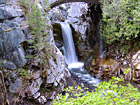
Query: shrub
x,y
39,29
121,20
114,92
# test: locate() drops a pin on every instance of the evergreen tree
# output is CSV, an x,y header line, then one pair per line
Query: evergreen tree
x,y
121,19
38,29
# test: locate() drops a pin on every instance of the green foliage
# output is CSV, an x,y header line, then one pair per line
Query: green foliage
x,y
1,63
127,70
25,3
114,92
37,21
23,72
121,20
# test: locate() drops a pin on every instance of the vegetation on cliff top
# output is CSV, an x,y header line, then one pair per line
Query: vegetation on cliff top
x,y
121,20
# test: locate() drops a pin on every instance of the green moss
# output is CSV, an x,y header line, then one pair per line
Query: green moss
x,y
75,36
57,30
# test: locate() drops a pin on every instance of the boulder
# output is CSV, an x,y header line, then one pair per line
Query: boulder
x,y
12,54
11,35
7,12
14,87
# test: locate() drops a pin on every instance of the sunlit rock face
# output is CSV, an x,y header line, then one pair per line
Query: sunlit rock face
x,y
136,65
136,60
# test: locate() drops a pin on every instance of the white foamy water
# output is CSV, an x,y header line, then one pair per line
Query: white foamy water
x,y
69,53
75,67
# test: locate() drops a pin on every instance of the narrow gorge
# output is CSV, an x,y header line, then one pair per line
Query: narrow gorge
x,y
47,46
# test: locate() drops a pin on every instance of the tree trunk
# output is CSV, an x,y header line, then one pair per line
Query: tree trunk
x,y
2,90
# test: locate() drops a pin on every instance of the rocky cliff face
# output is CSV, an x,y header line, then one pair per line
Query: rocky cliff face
x,y
84,20
13,49
11,34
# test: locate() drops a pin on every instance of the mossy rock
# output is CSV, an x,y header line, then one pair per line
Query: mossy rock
x,y
57,32
75,35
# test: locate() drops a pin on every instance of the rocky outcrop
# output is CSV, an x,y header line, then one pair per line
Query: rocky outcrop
x,y
135,74
117,64
136,60
12,35
57,33
103,69
27,83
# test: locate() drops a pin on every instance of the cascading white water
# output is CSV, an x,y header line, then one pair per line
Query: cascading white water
x,y
69,48
74,66
70,54
101,40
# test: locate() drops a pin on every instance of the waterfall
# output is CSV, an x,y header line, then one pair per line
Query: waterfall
x,y
69,48
70,54
74,66
100,39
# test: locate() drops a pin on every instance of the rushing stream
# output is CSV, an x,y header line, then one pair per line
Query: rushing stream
x,y
75,67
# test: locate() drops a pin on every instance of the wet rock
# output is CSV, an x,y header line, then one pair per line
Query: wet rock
x,y
14,75
57,32
74,20
103,68
14,87
56,15
15,22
